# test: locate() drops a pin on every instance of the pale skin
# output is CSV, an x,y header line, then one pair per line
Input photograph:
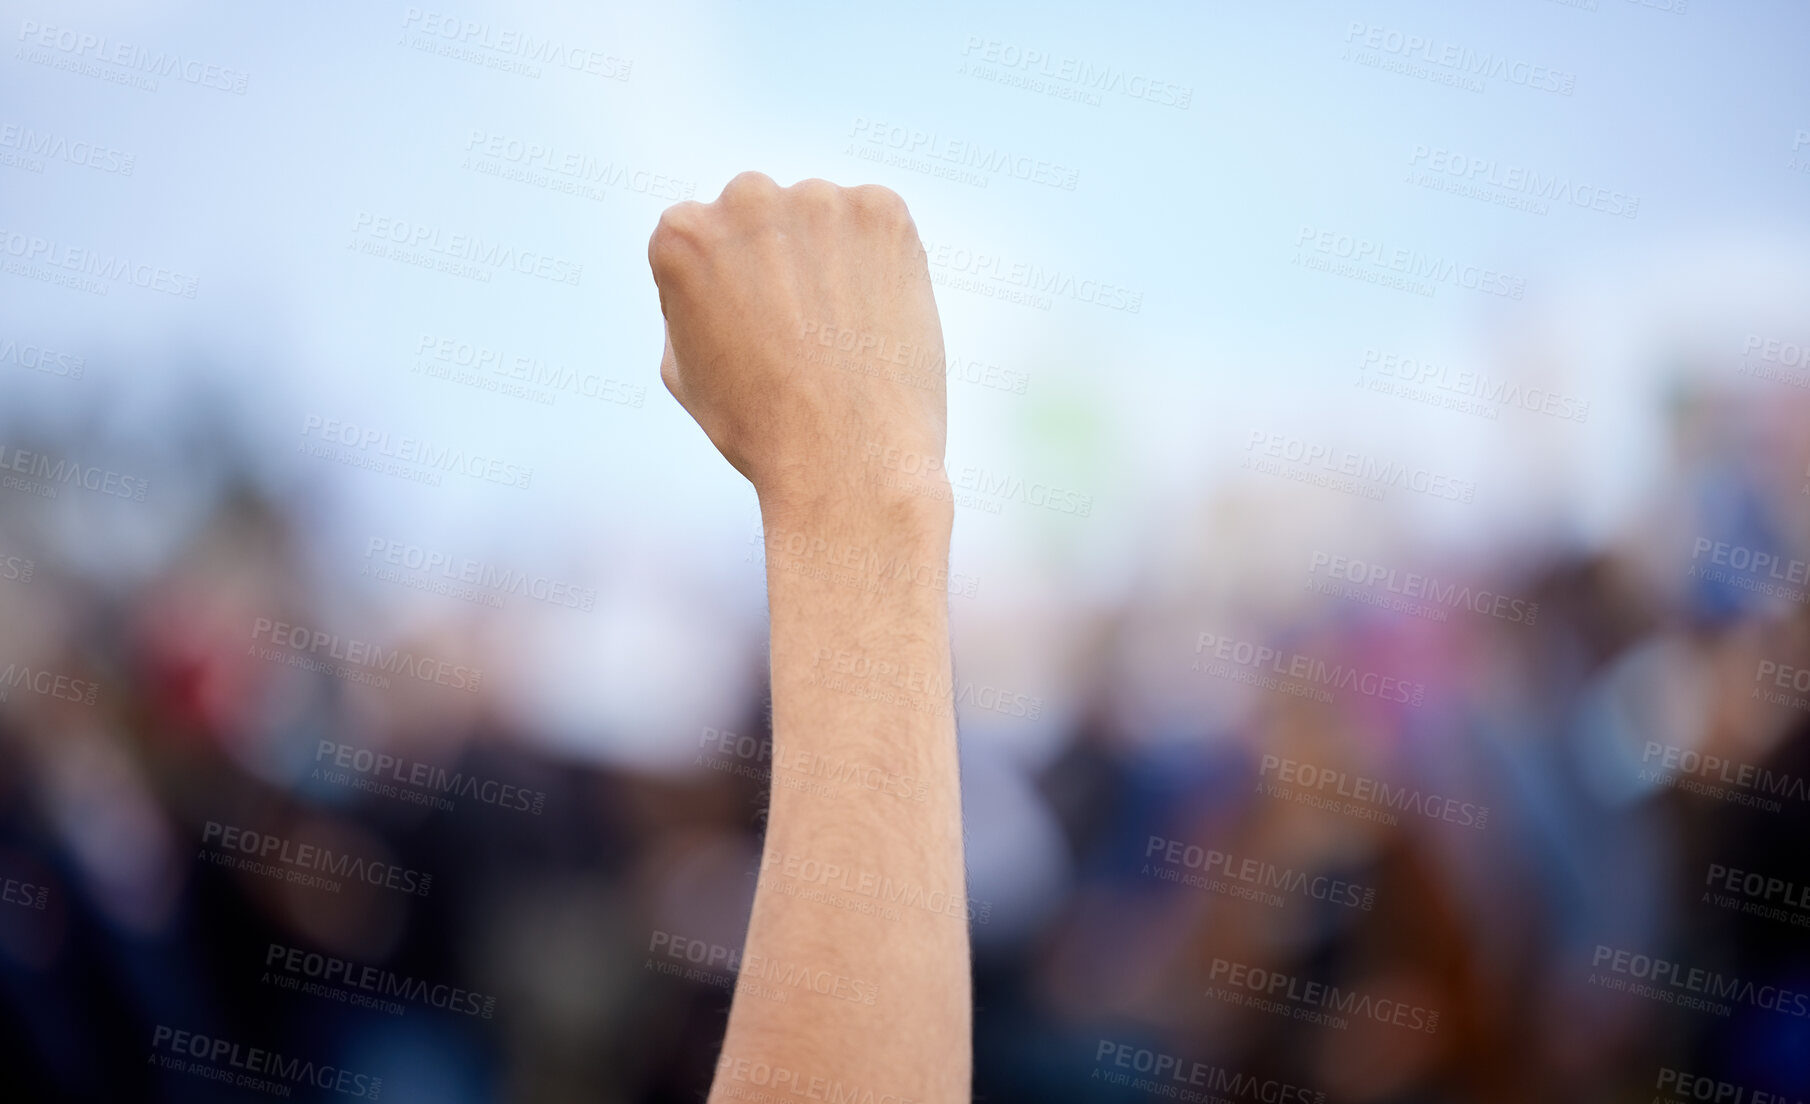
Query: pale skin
x,y
862,883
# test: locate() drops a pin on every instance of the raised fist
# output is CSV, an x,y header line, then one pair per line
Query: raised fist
x,y
802,335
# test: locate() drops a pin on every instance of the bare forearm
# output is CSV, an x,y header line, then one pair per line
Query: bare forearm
x,y
862,878
858,883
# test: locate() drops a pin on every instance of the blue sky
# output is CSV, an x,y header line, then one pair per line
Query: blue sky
x,y
1291,138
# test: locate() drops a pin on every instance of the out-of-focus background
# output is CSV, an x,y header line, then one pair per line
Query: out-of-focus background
x,y
1380,576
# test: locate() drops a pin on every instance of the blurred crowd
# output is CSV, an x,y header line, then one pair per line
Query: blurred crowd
x,y
1354,835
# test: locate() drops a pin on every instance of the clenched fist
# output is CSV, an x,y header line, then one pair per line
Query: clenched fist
x,y
802,335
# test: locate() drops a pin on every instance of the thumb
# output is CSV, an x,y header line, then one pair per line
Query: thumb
x,y
669,371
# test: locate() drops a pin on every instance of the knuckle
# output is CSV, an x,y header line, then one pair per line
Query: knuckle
x,y
680,221
680,226
749,185
879,204
669,372
815,190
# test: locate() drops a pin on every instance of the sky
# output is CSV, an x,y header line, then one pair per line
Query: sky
x,y
1250,176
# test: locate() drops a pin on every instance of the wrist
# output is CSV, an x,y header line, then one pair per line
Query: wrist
x,y
920,511
855,541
